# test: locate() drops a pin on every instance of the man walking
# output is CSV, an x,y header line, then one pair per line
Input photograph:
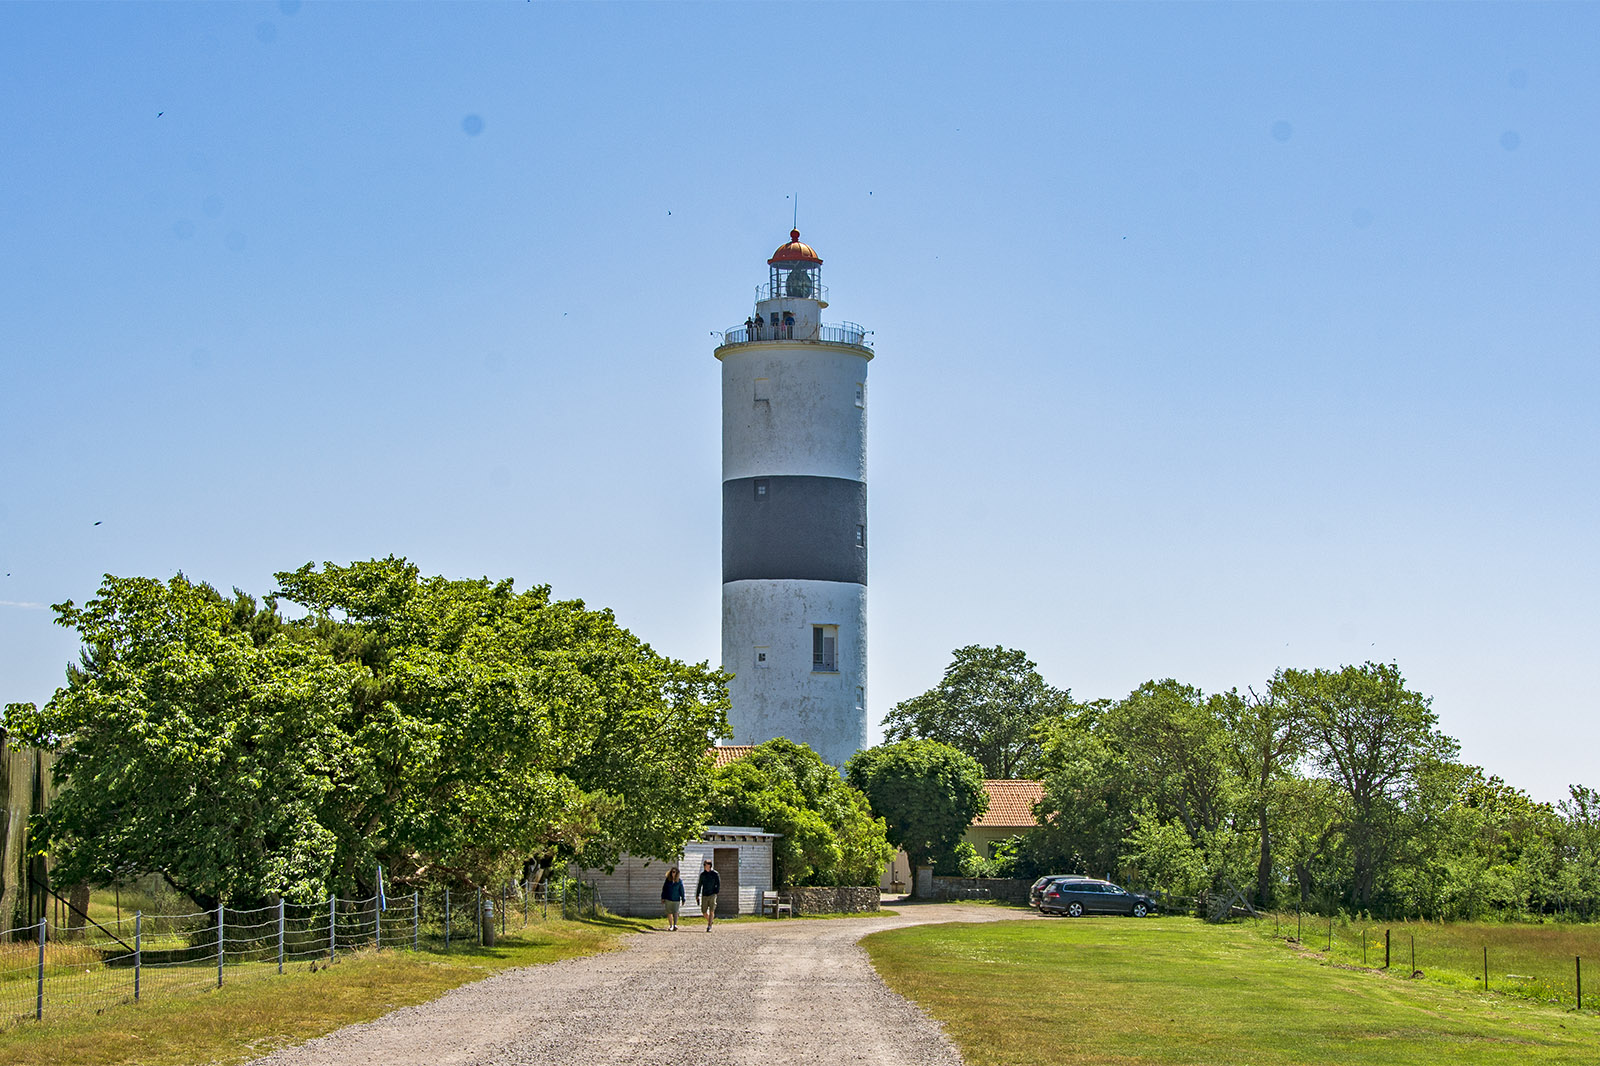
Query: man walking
x,y
705,892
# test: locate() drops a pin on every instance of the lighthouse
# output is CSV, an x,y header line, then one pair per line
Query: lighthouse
x,y
794,515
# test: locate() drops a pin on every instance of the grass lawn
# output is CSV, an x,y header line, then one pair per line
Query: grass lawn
x,y
249,1018
1113,991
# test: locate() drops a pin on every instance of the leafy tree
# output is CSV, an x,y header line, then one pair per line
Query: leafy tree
x,y
928,793
1090,796
1371,736
1579,881
1175,746
188,750
827,834
442,728
1265,741
988,705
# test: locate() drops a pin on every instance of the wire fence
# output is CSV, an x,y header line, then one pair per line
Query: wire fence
x,y
142,956
1539,962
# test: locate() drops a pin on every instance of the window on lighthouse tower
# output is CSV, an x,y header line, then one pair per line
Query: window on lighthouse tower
x,y
824,649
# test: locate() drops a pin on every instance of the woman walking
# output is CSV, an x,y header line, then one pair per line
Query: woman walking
x,y
672,898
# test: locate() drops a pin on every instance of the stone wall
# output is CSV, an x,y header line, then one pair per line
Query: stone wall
x,y
842,899
1005,889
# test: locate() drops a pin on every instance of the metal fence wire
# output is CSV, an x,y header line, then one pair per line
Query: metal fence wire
x,y
131,959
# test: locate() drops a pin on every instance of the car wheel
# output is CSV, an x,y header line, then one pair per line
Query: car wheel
x,y
1075,909
1140,910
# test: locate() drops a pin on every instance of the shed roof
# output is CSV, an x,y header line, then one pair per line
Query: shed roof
x,y
1010,804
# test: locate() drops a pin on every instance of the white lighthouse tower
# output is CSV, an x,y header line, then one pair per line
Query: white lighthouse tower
x,y
794,515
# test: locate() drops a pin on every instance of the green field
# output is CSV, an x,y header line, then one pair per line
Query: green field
x,y
257,1010
1532,961
1114,991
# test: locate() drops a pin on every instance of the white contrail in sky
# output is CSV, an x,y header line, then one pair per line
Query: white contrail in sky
x,y
19,603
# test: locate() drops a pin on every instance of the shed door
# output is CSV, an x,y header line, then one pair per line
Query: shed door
x,y
726,861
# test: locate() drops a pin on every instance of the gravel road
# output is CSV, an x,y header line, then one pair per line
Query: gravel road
x,y
743,994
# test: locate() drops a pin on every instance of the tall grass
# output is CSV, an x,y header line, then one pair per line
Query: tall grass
x,y
1534,961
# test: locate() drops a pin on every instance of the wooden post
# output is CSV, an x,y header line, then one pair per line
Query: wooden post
x,y
447,918
1330,935
1386,948
416,919
333,926
280,934
1577,961
1413,954
138,951
220,945
1486,967
377,922
44,932
1363,947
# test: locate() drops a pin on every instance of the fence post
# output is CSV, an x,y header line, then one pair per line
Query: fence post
x,y
1413,954
220,945
478,918
1330,936
447,918
1386,933
333,926
503,897
416,920
138,950
525,888
377,922
1363,947
1486,967
280,934
44,932
1577,961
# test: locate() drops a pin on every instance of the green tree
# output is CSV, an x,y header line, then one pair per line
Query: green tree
x,y
188,750
826,832
1372,737
1265,741
1090,795
988,704
449,729
1579,880
928,793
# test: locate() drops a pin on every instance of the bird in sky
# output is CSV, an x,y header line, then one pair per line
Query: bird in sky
x,y
97,523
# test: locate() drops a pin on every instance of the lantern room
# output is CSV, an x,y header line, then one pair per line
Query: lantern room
x,y
796,273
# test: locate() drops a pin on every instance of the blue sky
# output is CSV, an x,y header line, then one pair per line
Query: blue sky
x,y
1212,339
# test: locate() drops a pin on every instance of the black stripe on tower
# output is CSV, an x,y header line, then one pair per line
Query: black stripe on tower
x,y
794,527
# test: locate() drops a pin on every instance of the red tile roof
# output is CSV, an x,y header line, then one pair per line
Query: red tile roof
x,y
722,755
1010,804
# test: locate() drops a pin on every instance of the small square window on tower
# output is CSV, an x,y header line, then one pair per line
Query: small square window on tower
x,y
761,489
824,649
761,658
861,536
861,394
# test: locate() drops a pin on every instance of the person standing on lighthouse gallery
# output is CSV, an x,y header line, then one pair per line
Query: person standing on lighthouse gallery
x,y
705,892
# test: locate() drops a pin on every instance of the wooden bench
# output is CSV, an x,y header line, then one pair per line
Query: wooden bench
x,y
772,905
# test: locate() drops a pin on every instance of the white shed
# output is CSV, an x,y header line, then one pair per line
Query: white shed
x,y
741,855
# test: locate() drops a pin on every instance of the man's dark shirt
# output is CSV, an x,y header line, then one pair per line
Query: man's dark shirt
x,y
709,885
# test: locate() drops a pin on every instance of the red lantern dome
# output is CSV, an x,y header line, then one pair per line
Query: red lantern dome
x,y
794,252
